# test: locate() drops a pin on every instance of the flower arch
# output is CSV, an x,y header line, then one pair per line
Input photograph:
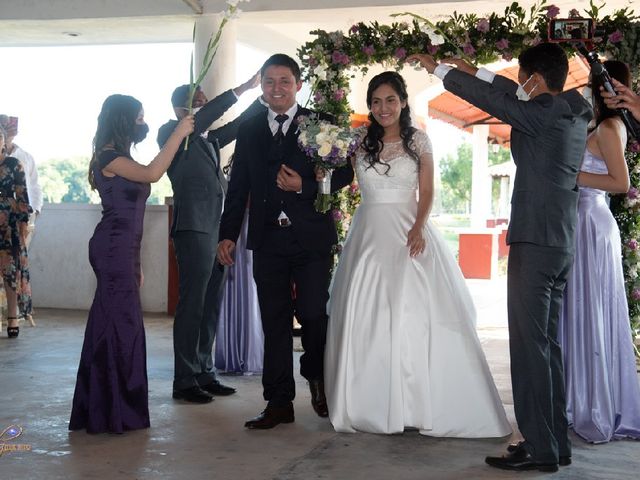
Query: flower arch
x,y
333,58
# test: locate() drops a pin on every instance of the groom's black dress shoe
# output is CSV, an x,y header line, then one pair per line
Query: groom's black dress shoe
x,y
270,417
563,460
318,399
193,394
520,460
216,388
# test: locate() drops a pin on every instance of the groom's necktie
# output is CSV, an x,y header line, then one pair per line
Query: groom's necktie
x,y
279,136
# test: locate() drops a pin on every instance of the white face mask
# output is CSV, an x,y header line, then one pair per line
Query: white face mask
x,y
521,94
587,93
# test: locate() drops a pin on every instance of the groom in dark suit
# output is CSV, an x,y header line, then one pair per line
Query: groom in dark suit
x,y
548,139
291,242
198,192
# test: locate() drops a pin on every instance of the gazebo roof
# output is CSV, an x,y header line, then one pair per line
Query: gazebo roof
x,y
454,110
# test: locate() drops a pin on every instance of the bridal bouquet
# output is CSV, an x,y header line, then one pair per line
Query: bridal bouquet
x,y
329,147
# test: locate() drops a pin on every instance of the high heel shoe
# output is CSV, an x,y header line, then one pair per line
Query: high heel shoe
x,y
12,332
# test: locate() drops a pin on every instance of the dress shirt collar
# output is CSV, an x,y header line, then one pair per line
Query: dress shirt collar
x,y
273,124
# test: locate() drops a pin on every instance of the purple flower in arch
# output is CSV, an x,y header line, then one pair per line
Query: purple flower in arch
x,y
483,25
502,44
354,29
318,97
632,244
468,49
635,294
635,147
400,53
338,94
552,11
616,37
369,50
573,13
338,57
632,193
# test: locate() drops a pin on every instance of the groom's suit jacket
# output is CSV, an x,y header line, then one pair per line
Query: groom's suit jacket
x,y
254,176
548,139
197,182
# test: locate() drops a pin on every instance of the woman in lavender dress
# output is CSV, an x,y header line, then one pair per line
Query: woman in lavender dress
x,y
603,393
239,338
111,393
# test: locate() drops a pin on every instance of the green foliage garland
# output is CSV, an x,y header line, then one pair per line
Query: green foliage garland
x,y
331,60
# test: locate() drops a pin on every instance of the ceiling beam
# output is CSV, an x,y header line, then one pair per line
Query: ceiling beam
x,y
196,6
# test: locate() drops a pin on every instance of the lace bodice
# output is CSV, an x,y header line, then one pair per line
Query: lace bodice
x,y
403,171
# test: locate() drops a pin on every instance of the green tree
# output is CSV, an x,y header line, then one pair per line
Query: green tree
x,y
159,191
65,181
455,178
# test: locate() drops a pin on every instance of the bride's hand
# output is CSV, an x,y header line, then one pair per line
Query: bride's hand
x,y
416,241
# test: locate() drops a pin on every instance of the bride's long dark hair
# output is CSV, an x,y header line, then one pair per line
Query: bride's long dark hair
x,y
372,143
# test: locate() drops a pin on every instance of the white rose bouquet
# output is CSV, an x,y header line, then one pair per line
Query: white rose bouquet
x,y
329,146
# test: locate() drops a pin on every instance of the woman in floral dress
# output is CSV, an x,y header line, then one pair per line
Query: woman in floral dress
x,y
14,219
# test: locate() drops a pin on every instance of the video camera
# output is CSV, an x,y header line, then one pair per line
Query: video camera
x,y
580,33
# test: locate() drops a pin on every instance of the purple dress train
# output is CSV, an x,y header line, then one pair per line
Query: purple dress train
x,y
111,392
603,392
239,338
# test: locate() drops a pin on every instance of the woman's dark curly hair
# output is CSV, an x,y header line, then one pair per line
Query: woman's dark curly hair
x,y
116,124
372,142
618,70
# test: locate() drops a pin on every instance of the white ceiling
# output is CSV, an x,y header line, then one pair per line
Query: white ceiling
x,y
81,22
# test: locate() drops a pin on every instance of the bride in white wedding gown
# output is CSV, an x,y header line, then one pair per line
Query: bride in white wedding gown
x,y
402,350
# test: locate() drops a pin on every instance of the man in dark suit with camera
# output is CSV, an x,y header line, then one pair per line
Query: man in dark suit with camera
x,y
198,194
291,242
548,138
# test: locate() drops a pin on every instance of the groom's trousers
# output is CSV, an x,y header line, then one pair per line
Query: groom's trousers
x,y
279,264
536,280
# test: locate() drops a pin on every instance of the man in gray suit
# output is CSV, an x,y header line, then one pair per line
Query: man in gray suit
x,y
198,193
548,138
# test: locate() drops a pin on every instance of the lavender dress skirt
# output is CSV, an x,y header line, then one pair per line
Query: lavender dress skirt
x,y
603,392
239,339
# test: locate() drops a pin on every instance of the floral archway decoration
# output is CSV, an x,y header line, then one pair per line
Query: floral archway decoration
x,y
333,58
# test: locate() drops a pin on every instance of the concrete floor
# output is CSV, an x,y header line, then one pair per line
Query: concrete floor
x,y
37,378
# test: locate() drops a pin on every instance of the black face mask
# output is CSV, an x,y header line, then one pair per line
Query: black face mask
x,y
140,132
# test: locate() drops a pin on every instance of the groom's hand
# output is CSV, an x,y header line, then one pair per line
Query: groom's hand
x,y
288,179
225,252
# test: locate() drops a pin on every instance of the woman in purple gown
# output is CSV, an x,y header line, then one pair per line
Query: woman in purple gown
x,y
603,393
111,393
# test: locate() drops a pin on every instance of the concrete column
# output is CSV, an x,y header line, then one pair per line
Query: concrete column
x,y
504,202
480,179
222,74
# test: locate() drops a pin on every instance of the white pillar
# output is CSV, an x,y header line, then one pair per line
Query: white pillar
x,y
480,179
503,204
222,74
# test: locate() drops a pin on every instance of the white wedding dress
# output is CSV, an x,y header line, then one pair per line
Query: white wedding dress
x,y
402,350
